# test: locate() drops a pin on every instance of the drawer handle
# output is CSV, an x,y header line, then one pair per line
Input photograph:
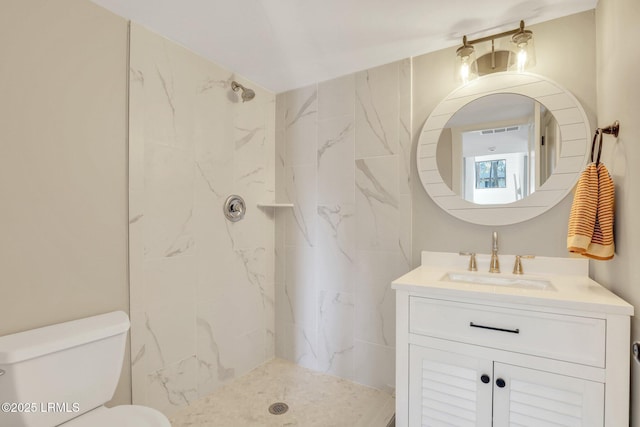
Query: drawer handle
x,y
512,331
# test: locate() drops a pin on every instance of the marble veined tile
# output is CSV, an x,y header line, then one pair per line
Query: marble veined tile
x,y
404,151
301,126
404,127
376,366
335,336
379,86
138,357
281,109
376,134
170,335
314,400
279,166
377,203
169,180
169,280
214,148
300,104
212,371
168,97
336,251
405,229
377,111
297,296
269,326
243,353
279,253
270,153
250,147
405,79
336,98
375,303
336,170
301,190
173,387
297,344
203,294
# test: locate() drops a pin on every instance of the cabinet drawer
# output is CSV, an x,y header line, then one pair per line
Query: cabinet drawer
x,y
569,338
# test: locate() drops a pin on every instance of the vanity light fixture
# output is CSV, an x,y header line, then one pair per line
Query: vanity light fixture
x,y
519,56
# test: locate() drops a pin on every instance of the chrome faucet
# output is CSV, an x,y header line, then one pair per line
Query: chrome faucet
x,y
494,265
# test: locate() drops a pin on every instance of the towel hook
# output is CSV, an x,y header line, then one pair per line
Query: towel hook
x,y
614,129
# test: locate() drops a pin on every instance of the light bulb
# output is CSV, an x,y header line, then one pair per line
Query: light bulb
x,y
465,67
525,54
464,72
522,58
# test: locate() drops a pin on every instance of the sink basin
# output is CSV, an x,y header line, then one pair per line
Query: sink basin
x,y
499,280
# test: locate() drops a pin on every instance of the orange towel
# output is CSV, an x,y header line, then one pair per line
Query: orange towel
x,y
592,214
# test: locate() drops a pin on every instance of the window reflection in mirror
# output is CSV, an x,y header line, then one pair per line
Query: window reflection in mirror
x,y
498,149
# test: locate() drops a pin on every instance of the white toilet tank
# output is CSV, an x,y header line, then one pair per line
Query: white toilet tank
x,y
52,374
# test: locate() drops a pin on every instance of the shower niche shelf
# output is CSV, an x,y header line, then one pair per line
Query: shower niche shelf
x,y
275,205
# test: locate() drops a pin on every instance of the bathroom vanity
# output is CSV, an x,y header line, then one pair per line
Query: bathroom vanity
x,y
549,347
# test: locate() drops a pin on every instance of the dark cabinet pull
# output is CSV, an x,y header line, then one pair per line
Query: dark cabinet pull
x,y
512,331
500,383
485,378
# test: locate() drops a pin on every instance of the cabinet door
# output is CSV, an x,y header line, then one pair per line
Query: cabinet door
x,y
527,397
447,389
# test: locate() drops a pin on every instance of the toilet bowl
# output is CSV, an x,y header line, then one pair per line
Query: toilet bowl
x,y
62,375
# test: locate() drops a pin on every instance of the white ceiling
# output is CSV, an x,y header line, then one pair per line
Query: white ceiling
x,y
286,44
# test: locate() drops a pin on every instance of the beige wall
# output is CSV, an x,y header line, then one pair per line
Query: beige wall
x,y
618,62
63,176
565,51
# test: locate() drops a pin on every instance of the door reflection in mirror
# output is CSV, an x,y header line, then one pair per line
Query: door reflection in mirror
x,y
498,149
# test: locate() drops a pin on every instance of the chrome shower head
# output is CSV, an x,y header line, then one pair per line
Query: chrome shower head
x,y
247,94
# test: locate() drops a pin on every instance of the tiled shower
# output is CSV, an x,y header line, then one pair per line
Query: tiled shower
x,y
202,294
211,299
343,151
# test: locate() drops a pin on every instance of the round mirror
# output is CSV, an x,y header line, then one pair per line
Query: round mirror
x,y
488,152
503,149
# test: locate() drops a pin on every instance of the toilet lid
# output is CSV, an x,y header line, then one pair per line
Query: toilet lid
x,y
121,416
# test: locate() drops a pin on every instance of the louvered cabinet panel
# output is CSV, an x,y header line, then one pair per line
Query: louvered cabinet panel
x,y
446,389
532,398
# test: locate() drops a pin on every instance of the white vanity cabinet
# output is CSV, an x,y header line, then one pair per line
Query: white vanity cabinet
x,y
482,385
469,356
449,388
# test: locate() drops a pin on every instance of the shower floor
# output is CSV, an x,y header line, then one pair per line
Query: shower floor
x,y
314,399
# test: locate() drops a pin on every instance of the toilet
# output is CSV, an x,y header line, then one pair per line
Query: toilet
x,y
62,375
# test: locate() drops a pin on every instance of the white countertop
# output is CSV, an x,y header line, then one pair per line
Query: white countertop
x,y
569,276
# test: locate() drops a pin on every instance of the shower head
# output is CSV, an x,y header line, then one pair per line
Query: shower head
x,y
247,94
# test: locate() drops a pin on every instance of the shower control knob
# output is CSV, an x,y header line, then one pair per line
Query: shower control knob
x,y
485,378
234,208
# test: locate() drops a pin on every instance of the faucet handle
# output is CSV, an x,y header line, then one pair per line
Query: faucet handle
x,y
517,267
472,260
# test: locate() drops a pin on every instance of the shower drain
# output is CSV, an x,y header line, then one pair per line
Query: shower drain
x,y
278,408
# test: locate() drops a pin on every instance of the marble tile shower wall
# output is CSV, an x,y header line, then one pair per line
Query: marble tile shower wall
x,y
342,158
202,288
